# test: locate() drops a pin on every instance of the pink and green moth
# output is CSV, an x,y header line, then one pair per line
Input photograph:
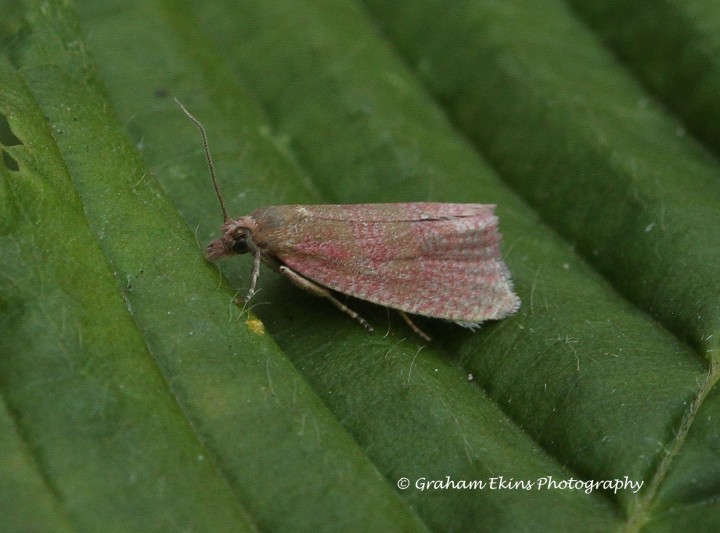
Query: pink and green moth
x,y
437,260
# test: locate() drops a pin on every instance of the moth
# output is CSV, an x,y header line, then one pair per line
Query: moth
x,y
439,260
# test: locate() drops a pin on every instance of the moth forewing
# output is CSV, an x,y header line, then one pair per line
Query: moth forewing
x,y
436,260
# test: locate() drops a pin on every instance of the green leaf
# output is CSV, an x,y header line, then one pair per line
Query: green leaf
x,y
137,396
674,49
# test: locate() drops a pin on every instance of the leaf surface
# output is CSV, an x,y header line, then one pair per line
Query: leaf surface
x,y
136,394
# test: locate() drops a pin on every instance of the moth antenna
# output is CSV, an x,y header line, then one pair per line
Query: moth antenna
x,y
208,157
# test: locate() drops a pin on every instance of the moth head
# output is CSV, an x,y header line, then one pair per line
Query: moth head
x,y
236,239
236,233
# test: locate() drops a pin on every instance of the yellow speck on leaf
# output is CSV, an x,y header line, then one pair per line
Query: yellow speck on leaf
x,y
256,326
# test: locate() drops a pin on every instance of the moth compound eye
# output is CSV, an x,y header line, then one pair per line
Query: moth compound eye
x,y
240,246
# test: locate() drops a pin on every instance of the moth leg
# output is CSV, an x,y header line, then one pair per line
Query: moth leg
x,y
254,276
318,290
413,326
